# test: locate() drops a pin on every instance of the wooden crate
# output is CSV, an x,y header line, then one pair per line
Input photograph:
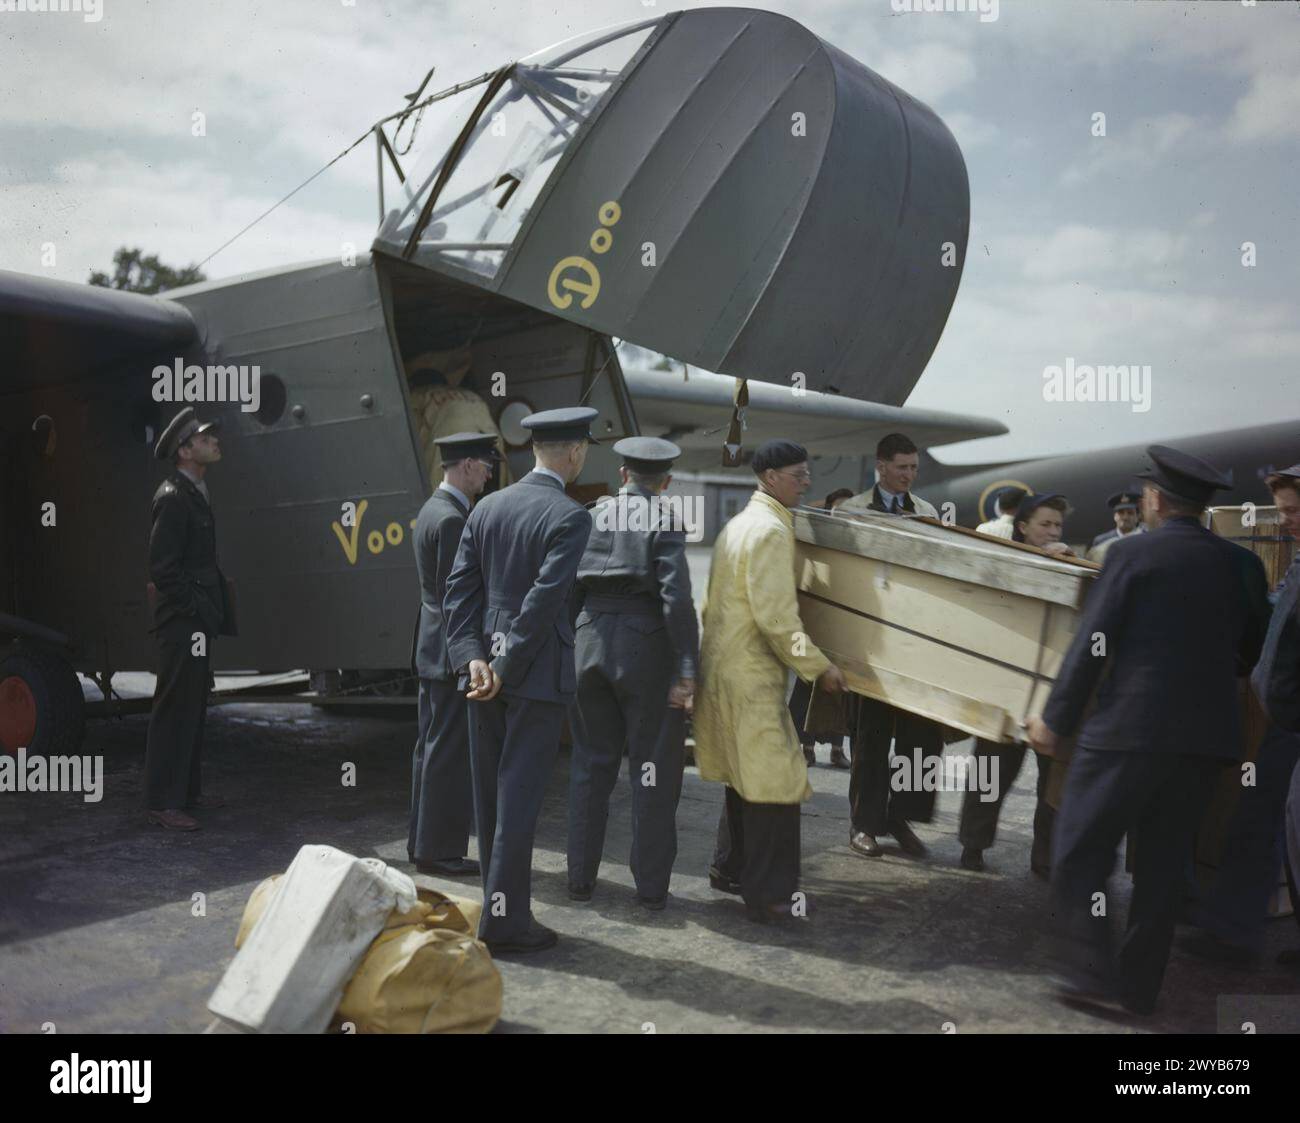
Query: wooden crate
x,y
955,626
1264,536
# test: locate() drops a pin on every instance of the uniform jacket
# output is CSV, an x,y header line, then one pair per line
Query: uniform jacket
x,y
752,633
1183,613
509,594
1277,676
873,501
1103,542
183,567
437,536
628,557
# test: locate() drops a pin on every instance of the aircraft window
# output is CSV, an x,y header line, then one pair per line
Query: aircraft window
x,y
274,398
511,151
512,413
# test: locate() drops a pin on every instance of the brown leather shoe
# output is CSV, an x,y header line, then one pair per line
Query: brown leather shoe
x,y
174,820
839,759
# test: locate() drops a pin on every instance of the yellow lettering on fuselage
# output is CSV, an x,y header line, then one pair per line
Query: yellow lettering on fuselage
x,y
349,541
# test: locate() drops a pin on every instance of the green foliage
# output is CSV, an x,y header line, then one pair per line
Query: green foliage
x,y
134,272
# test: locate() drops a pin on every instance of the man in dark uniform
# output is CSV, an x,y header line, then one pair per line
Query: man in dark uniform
x,y
876,809
1232,914
442,802
191,607
510,638
1176,616
637,649
1128,520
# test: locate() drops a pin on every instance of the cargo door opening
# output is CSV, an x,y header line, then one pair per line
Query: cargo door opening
x,y
476,361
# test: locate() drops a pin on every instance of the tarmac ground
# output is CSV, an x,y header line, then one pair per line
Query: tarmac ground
x,y
100,930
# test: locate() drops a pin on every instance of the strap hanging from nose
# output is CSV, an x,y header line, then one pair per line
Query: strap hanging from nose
x,y
731,447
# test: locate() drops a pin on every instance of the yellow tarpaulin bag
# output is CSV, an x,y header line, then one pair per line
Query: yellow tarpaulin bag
x,y
424,973
422,979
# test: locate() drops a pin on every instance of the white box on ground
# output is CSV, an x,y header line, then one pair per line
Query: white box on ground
x,y
290,974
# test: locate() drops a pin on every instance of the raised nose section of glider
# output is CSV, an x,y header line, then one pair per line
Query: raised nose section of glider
x,y
719,185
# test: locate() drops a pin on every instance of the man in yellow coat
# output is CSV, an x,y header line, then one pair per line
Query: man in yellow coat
x,y
744,737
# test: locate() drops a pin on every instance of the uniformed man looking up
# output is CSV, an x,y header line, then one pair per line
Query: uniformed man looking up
x,y
191,607
1175,617
442,804
510,639
637,648
1128,520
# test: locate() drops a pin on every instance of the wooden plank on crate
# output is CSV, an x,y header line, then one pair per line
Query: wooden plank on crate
x,y
927,545
927,674
1264,536
937,625
928,699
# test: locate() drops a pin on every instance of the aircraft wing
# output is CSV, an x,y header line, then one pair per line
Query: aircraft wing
x,y
53,331
693,409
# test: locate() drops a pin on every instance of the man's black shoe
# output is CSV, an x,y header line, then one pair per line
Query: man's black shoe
x,y
537,938
449,867
907,840
839,759
862,843
972,859
654,904
722,883
809,755
580,892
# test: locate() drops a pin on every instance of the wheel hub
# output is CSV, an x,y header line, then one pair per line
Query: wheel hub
x,y
17,714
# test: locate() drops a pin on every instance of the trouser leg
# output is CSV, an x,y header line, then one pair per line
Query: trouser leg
x,y
869,774
914,734
656,758
1040,854
1095,813
1293,841
1235,907
770,874
599,735
729,852
1173,807
174,743
523,738
979,818
441,797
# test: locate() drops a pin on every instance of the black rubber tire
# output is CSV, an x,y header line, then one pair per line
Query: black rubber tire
x,y
60,704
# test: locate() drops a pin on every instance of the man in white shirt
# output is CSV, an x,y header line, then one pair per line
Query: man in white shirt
x,y
1004,526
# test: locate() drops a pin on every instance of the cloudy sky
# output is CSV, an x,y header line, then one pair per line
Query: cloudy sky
x,y
1116,249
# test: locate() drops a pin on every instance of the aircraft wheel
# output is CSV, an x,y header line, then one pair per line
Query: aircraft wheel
x,y
41,704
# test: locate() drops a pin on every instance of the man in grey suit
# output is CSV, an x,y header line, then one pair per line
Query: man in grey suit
x,y
637,649
441,799
510,638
